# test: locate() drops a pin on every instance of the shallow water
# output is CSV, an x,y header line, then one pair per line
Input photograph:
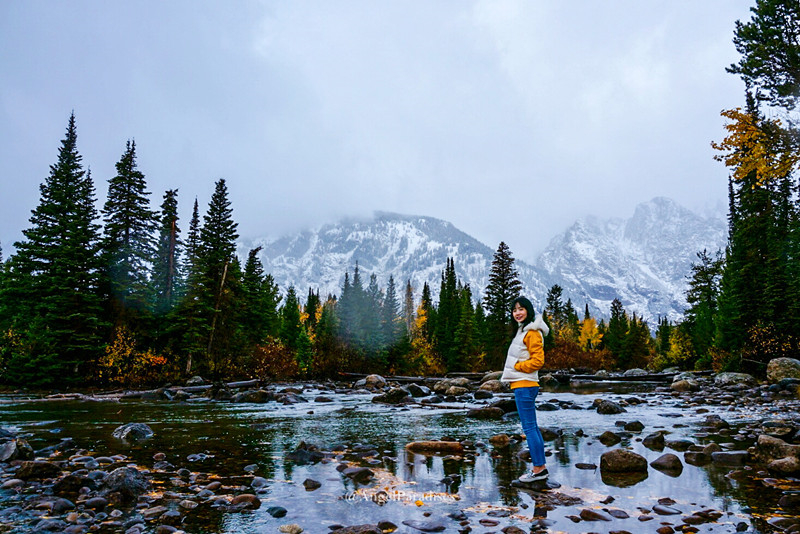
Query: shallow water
x,y
238,435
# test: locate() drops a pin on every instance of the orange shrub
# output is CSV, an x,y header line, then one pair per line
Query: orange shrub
x,y
274,361
568,355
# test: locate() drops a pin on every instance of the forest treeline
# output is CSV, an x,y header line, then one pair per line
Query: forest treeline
x,y
124,296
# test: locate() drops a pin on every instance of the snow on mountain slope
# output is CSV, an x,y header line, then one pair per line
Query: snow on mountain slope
x,y
406,247
643,261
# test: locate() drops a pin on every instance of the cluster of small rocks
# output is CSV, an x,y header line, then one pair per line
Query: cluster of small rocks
x,y
66,489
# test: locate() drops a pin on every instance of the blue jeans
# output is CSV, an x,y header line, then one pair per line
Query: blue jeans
x,y
526,407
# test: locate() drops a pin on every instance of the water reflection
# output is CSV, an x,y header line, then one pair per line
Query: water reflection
x,y
234,436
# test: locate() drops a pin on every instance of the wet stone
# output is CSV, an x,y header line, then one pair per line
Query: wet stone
x,y
661,509
276,511
593,515
427,526
310,484
247,499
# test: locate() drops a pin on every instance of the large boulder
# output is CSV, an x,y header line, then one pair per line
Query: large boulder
x,y
769,448
374,381
18,449
133,432
393,396
622,461
731,379
780,368
495,375
126,482
689,384
495,386
36,469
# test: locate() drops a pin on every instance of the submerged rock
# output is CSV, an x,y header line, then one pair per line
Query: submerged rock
x,y
133,432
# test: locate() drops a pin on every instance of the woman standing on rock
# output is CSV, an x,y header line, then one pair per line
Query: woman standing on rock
x,y
525,358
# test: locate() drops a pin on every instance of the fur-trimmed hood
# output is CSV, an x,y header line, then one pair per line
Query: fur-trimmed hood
x,y
537,324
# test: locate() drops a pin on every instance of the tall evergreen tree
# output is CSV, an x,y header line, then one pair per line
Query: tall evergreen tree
x,y
291,326
447,316
614,335
191,329
408,307
504,286
53,279
220,273
770,47
128,247
167,282
702,297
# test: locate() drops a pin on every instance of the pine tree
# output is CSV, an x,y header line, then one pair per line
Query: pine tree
x,y
770,49
556,310
615,333
291,326
221,276
52,284
447,316
190,329
128,247
390,320
408,307
167,282
259,302
504,286
702,297
312,309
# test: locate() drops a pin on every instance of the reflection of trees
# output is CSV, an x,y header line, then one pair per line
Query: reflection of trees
x,y
740,485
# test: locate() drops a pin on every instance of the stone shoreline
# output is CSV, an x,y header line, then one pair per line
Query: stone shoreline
x,y
66,489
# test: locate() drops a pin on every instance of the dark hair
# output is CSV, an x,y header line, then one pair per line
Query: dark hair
x,y
525,303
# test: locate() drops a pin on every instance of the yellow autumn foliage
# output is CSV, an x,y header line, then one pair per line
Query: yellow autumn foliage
x,y
755,145
124,364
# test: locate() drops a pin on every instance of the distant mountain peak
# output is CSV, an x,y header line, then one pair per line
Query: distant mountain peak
x,y
643,260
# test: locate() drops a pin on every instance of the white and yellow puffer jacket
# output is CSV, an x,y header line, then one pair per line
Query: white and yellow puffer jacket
x,y
518,352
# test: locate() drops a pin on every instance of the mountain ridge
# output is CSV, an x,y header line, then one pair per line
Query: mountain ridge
x,y
643,260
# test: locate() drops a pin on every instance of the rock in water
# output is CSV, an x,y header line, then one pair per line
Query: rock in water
x,y
622,461
133,432
425,526
128,482
668,464
18,449
35,469
729,379
607,407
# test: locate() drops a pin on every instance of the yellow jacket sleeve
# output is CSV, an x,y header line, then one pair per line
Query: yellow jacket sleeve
x,y
533,341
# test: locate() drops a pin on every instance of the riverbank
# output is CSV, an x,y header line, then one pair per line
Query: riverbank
x,y
334,454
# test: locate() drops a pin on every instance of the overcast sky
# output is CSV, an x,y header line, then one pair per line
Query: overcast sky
x,y
510,119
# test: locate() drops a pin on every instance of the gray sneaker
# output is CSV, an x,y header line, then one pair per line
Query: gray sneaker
x,y
534,477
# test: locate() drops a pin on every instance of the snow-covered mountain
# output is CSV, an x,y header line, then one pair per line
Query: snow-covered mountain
x,y
643,261
405,247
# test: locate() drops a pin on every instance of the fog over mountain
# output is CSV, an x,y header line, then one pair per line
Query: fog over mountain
x,y
643,260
